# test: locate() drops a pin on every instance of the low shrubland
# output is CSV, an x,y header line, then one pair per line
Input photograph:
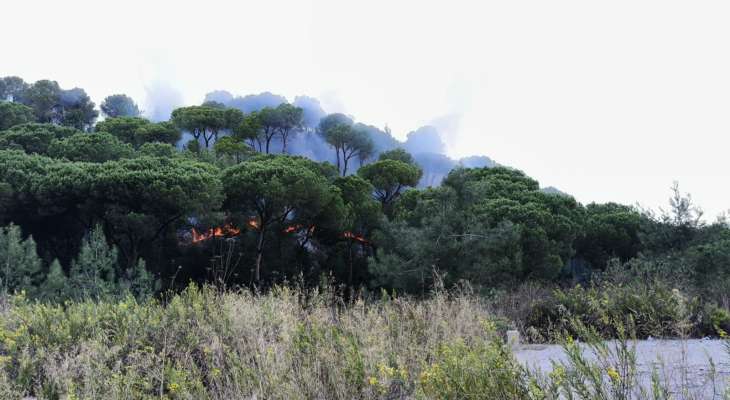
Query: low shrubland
x,y
290,343
286,344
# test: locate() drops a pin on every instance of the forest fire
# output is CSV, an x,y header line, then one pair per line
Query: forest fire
x,y
226,230
350,235
229,230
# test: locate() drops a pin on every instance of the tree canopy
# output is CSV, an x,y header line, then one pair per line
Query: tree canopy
x,y
119,105
12,114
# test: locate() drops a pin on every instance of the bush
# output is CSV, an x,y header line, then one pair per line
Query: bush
x,y
656,309
477,371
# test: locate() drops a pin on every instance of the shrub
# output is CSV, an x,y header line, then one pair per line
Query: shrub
x,y
656,309
475,371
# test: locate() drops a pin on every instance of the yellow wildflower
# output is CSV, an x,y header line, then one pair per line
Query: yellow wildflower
x,y
613,374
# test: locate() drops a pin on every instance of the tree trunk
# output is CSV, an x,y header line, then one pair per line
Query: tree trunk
x,y
349,248
259,254
337,151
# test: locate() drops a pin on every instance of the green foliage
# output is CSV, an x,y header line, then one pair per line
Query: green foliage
x,y
348,142
51,104
710,262
279,190
610,231
389,178
157,149
655,308
160,132
205,122
398,155
119,105
474,371
43,96
287,344
33,137
261,127
12,114
139,282
232,149
56,287
138,199
289,120
12,87
138,131
20,266
96,147
93,273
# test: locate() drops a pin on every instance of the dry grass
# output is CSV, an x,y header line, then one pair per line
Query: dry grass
x,y
285,344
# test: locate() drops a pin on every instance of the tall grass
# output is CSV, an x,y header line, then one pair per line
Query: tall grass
x,y
288,343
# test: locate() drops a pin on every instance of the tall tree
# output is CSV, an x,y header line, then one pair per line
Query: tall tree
x,y
119,105
231,148
12,114
97,147
362,215
390,178
137,201
248,130
20,266
33,137
279,190
52,104
348,143
12,88
201,121
290,120
138,131
269,120
77,109
44,97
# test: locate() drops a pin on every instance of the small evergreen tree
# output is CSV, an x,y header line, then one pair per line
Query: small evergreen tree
x,y
139,282
93,272
56,286
20,266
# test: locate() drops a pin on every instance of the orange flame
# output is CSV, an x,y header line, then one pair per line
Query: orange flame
x,y
227,230
350,235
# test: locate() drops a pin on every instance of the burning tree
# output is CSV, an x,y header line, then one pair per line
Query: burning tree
x,y
280,190
362,215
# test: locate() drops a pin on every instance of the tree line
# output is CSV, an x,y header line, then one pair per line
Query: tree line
x,y
122,204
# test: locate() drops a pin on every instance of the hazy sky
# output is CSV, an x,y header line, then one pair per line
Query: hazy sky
x,y
609,101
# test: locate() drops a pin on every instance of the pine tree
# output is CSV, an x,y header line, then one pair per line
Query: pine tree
x,y
93,272
20,266
56,286
139,282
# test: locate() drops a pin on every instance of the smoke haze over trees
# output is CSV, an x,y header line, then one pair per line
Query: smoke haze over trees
x,y
159,198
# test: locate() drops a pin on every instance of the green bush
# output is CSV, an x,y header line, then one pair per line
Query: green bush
x,y
474,371
656,309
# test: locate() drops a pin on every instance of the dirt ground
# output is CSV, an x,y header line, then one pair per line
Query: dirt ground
x,y
686,365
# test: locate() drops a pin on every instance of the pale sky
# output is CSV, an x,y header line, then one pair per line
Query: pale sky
x,y
608,101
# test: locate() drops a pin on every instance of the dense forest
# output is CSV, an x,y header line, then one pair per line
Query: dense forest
x,y
249,247
254,190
